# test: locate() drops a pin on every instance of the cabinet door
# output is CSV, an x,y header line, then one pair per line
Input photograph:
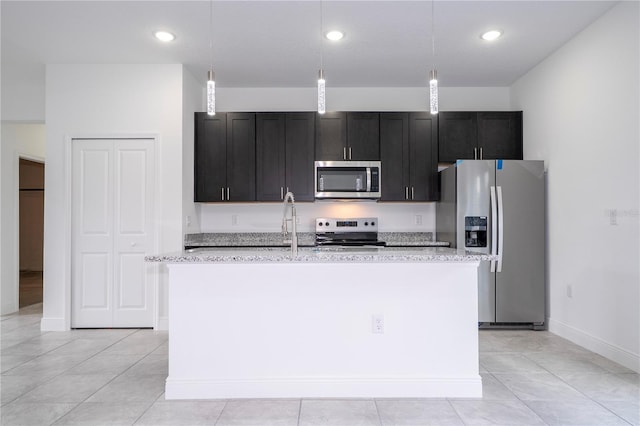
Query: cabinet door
x,y
331,136
500,135
300,145
394,155
270,156
241,156
457,136
423,152
363,136
210,157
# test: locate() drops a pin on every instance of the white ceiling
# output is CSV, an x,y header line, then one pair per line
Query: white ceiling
x,y
277,43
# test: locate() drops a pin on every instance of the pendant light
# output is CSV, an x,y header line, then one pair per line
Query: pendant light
x,y
321,82
433,74
211,76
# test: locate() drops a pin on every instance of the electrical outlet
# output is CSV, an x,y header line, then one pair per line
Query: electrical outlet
x,y
188,221
377,324
417,220
569,292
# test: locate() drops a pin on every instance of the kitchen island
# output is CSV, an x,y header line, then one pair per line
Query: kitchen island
x,y
359,322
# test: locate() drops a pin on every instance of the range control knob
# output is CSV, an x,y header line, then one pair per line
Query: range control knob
x,y
327,223
319,223
373,223
366,224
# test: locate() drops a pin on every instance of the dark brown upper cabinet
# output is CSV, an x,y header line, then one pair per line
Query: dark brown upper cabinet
x,y
348,136
285,152
224,157
479,135
408,151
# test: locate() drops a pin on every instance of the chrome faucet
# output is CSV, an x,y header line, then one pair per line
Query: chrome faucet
x,y
293,240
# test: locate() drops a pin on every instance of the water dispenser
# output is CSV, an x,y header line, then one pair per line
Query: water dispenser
x,y
475,231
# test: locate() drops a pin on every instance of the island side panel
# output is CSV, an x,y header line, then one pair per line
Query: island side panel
x,y
250,330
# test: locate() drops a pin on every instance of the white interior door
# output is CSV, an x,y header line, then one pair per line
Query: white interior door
x,y
112,221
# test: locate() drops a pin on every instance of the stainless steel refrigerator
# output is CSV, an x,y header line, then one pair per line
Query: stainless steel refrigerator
x,y
497,207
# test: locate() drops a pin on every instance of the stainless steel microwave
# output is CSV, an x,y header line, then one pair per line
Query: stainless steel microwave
x,y
347,179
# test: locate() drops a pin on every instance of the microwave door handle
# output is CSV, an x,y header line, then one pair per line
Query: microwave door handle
x,y
368,179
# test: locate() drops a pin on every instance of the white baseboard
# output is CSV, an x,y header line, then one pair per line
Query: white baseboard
x,y
53,324
163,324
313,387
595,344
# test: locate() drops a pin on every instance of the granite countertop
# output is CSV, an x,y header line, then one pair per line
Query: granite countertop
x,y
305,239
321,255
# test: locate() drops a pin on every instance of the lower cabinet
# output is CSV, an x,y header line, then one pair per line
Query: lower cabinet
x,y
224,157
285,155
408,151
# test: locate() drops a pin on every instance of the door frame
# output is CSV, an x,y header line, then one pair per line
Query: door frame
x,y
15,283
69,201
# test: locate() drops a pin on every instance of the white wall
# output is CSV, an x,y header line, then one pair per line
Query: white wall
x,y
266,217
24,140
191,102
108,100
584,101
362,99
20,101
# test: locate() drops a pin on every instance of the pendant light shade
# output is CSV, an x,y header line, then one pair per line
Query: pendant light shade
x,y
211,93
433,91
321,94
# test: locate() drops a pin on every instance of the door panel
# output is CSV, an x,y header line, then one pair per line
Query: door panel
x,y
112,219
132,295
520,286
394,147
474,181
299,152
270,156
95,292
133,290
95,186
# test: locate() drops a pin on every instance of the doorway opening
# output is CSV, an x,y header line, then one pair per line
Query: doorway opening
x,y
31,233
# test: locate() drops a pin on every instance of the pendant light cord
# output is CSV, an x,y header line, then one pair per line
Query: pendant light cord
x,y
321,36
433,37
211,34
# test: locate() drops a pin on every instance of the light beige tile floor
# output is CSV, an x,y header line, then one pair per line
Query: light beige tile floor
x,y
116,377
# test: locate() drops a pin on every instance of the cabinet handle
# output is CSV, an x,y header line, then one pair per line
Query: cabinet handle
x,y
475,153
412,192
344,153
281,193
227,193
222,195
287,190
406,192
481,156
350,157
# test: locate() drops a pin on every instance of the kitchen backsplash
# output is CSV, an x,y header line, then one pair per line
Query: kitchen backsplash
x,y
267,217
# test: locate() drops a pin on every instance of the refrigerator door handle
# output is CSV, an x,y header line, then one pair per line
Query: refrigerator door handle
x,y
500,228
494,227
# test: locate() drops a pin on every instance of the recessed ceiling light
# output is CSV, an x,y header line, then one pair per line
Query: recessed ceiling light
x,y
334,35
165,36
491,35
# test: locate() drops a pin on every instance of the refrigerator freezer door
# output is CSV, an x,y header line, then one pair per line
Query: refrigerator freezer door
x,y
474,180
520,286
